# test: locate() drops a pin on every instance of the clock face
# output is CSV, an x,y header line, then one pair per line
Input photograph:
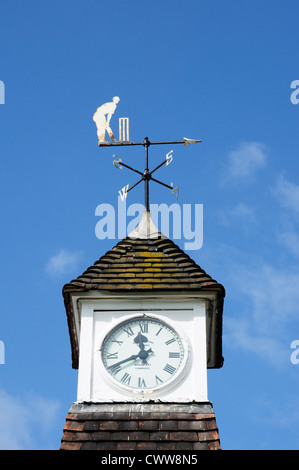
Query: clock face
x,y
144,354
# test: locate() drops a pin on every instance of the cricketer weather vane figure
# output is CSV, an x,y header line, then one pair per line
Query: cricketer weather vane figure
x,y
102,118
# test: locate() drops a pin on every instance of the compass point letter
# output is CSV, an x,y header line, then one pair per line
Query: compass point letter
x,y
123,192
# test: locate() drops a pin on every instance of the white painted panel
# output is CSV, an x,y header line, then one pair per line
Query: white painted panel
x,y
98,317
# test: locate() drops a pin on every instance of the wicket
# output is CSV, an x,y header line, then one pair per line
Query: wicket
x,y
124,129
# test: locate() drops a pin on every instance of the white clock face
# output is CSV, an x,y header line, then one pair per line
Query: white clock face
x,y
144,354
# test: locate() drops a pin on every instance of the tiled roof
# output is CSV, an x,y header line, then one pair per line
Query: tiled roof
x,y
141,427
146,265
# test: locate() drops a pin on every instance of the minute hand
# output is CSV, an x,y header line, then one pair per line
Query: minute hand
x,y
131,358
142,355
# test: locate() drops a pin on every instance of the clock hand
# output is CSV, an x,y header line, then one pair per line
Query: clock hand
x,y
142,355
140,339
131,358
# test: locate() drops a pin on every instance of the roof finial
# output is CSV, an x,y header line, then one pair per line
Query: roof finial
x,y
146,230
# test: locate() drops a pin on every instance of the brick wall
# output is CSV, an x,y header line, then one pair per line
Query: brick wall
x,y
141,427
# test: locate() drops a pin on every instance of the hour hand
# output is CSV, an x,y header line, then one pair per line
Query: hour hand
x,y
140,339
143,355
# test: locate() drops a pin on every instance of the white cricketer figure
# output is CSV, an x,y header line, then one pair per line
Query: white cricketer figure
x,y
102,118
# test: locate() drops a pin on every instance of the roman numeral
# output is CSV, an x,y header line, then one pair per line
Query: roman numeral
x,y
141,382
158,380
169,341
113,340
115,369
174,355
169,369
144,328
126,379
159,331
129,331
112,355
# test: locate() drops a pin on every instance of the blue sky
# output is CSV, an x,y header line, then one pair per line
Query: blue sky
x,y
211,70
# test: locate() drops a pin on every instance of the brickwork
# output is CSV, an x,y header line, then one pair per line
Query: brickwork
x,y
141,427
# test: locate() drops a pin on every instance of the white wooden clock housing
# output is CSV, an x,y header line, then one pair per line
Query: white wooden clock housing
x,y
99,315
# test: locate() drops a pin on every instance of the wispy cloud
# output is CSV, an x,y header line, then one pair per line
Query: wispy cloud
x,y
245,161
290,239
23,419
273,293
242,213
287,194
241,334
269,291
282,414
63,262
264,321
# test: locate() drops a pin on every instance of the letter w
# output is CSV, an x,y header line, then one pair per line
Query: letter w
x,y
123,192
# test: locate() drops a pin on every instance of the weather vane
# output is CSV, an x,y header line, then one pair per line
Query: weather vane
x,y
102,119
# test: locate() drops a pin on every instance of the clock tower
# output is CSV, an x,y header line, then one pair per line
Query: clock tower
x,y
145,324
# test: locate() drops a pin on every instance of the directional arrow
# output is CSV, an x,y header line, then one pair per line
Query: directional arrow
x,y
190,141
